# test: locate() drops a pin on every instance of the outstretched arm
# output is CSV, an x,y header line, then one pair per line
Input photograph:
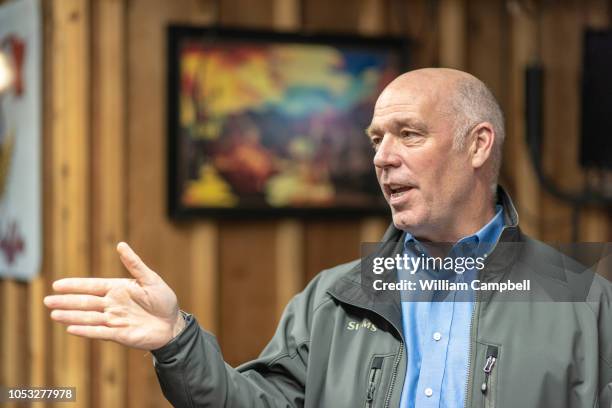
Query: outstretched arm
x,y
141,312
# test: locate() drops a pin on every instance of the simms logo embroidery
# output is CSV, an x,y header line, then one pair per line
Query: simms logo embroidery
x,y
365,324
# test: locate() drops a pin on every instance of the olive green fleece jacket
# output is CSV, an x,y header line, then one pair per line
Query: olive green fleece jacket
x,y
340,344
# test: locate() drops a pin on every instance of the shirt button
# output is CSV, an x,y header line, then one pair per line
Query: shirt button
x,y
428,392
437,336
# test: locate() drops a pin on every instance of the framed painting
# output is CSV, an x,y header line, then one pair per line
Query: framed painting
x,y
266,123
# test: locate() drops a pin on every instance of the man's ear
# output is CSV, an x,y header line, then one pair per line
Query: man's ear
x,y
482,137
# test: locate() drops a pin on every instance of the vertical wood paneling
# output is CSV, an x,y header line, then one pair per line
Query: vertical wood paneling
x,y
289,262
109,386
70,203
487,48
37,320
596,225
526,194
248,13
41,331
331,16
452,31
561,24
370,18
287,14
10,345
205,275
373,228
330,243
417,20
248,288
13,351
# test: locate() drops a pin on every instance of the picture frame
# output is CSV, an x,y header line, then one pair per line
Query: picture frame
x,y
264,123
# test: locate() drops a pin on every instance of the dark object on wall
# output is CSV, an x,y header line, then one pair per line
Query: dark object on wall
x,y
534,119
534,108
264,123
596,145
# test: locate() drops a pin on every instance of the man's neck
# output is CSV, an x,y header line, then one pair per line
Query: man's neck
x,y
466,221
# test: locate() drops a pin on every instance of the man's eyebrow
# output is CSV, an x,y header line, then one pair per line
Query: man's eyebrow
x,y
369,130
411,123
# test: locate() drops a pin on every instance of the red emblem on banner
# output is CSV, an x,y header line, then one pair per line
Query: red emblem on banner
x,y
11,243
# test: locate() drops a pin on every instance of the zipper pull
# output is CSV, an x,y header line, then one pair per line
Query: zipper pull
x,y
488,367
370,396
376,365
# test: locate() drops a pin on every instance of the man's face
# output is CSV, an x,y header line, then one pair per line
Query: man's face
x,y
423,178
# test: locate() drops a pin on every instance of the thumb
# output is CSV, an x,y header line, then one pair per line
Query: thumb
x,y
134,264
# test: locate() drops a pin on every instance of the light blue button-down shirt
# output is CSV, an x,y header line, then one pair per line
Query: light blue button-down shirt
x,y
437,333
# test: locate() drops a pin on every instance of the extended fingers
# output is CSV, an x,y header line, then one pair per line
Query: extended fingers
x,y
75,302
79,317
90,286
93,332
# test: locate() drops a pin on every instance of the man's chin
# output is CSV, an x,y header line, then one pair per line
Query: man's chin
x,y
405,222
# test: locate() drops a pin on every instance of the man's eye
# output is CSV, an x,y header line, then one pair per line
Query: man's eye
x,y
375,141
408,133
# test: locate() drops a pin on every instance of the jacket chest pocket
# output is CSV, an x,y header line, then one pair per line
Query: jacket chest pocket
x,y
374,375
377,380
489,374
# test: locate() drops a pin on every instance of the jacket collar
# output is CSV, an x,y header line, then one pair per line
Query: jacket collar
x,y
355,288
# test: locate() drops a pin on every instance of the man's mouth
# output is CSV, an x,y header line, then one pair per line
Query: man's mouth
x,y
396,191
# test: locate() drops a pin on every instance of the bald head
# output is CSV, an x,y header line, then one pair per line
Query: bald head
x,y
461,97
433,79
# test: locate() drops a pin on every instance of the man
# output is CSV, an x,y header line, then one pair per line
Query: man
x,y
438,135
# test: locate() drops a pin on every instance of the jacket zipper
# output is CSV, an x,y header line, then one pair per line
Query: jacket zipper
x,y
468,383
374,369
488,367
400,352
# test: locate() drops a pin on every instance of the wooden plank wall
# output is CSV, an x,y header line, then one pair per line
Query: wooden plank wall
x,y
104,168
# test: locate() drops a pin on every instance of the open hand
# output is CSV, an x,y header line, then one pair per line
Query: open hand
x,y
141,312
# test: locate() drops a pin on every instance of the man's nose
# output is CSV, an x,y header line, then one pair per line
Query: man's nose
x,y
386,153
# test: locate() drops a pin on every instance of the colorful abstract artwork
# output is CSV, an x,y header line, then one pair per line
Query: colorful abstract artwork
x,y
274,123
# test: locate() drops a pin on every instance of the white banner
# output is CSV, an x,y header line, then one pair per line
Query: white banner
x,y
20,141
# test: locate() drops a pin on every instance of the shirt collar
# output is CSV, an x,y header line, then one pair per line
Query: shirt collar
x,y
483,240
